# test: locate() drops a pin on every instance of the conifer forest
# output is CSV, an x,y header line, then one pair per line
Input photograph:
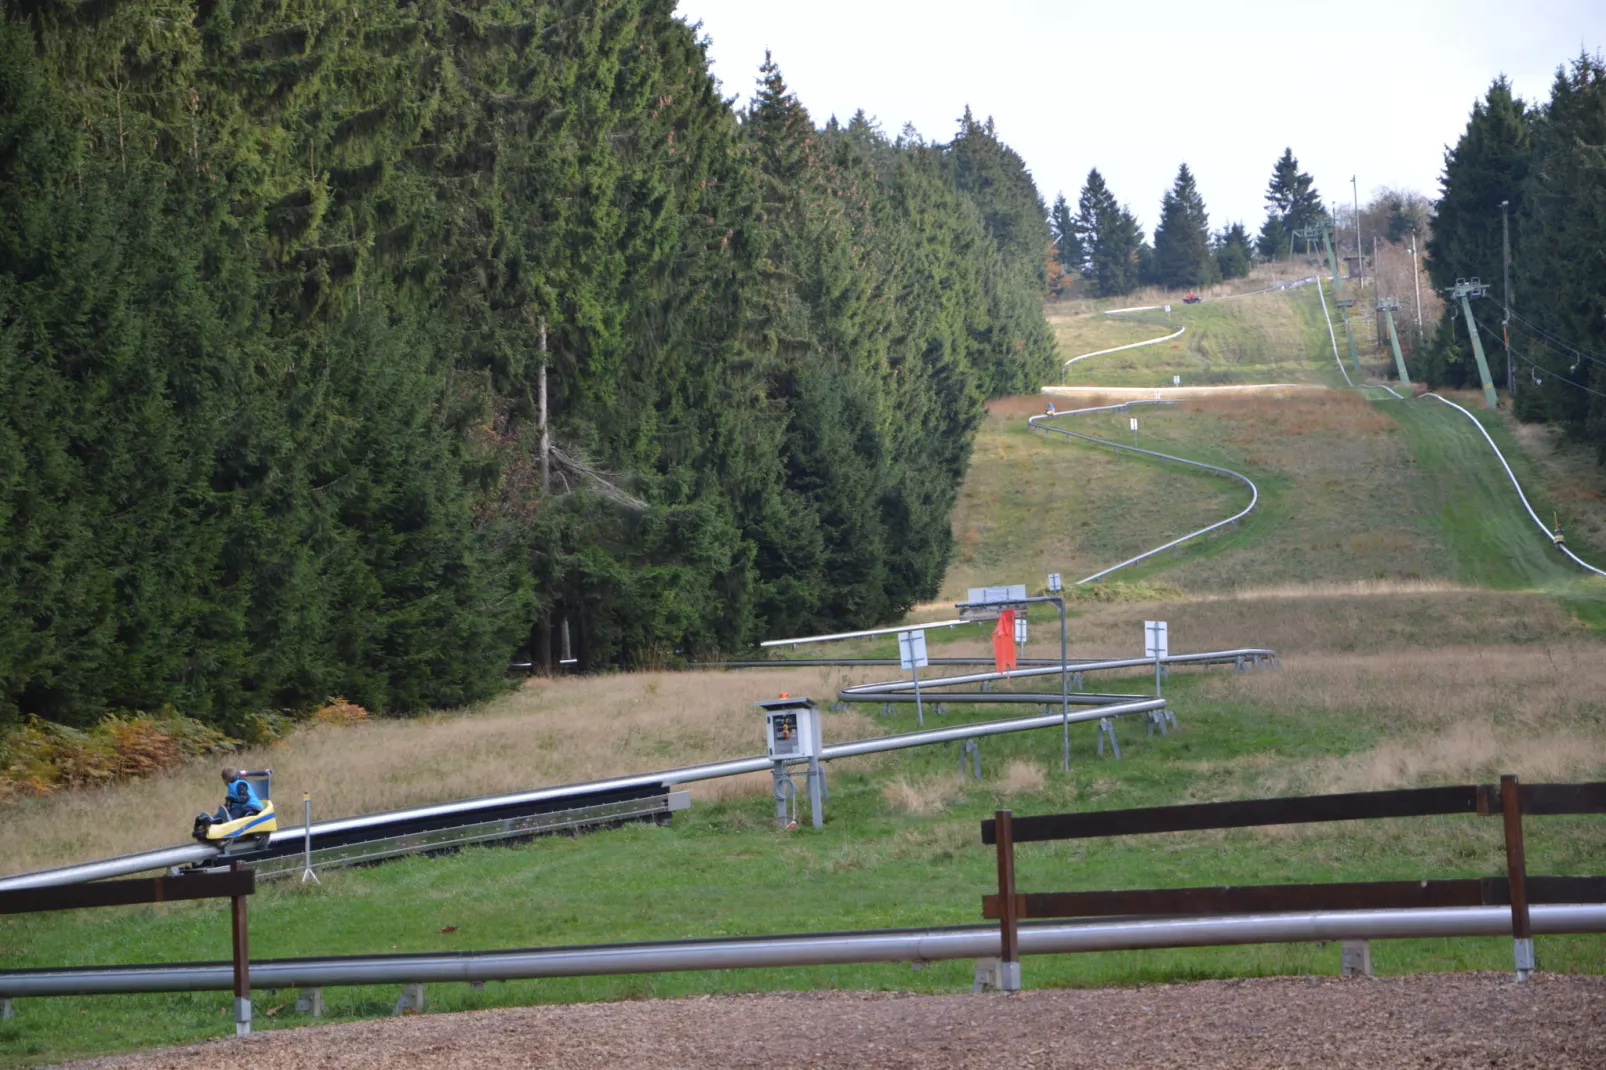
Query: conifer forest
x,y
362,349
277,287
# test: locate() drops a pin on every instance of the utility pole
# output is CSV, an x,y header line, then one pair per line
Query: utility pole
x,y
1344,303
1360,255
1505,320
1416,281
545,639
1463,289
546,441
1387,306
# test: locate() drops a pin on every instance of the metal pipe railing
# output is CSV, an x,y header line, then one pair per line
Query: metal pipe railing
x,y
802,949
1209,657
163,858
1254,491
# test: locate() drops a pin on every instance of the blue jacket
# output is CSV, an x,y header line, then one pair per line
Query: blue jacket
x,y
241,800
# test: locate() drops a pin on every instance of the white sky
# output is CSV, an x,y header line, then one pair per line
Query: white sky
x,y
1136,88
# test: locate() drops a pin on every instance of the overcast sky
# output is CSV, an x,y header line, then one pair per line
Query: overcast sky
x,y
1369,88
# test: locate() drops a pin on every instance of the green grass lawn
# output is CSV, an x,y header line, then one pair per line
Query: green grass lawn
x,y
1258,339
872,866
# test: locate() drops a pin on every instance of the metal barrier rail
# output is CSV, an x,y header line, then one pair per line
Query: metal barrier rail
x,y
1254,491
438,841
920,945
172,856
1245,656
1210,657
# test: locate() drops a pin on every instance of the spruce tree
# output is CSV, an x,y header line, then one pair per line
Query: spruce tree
x,y
1067,238
1292,198
1489,164
1182,238
1233,252
1111,237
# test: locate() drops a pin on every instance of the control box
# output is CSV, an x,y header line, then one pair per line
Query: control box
x,y
791,727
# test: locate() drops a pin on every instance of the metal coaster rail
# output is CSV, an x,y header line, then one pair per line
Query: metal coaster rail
x,y
1254,491
919,945
195,853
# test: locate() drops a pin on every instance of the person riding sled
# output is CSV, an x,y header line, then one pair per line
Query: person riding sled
x,y
240,798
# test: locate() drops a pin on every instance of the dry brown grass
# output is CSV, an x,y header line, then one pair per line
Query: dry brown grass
x,y
1361,617
922,797
1021,775
550,732
1453,715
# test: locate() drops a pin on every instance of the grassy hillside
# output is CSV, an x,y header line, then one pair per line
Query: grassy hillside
x,y
1426,638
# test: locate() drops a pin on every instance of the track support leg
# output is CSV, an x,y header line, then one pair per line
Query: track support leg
x,y
310,1001
411,1000
1355,958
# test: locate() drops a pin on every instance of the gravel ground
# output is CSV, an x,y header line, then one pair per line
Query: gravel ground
x,y
1443,1020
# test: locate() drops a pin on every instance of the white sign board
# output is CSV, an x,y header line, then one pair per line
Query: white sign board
x,y
1176,380
1015,592
1155,640
1020,631
1134,423
1054,581
912,650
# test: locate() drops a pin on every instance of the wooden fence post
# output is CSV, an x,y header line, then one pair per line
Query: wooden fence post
x,y
1008,917
1517,874
242,964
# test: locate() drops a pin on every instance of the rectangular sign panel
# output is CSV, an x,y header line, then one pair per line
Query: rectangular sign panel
x,y
912,649
1155,639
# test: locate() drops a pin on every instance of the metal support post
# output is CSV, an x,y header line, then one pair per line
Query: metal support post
x,y
783,789
920,712
310,1001
1065,710
411,1000
1462,291
1107,728
1355,959
7,1011
242,964
306,847
1008,917
1387,307
1517,875
970,755
815,792
1505,318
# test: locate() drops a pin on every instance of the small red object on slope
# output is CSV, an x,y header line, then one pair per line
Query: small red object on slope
x,y
1004,641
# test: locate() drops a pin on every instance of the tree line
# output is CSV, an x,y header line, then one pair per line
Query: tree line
x,y
278,285
1102,243
1546,162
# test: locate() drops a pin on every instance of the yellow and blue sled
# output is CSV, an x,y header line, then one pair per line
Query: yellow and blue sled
x,y
249,831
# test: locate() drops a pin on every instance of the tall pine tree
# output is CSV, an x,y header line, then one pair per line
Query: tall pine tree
x,y
1182,255
1291,201
1111,238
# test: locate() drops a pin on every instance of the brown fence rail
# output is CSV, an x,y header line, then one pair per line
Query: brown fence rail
x,y
233,885
1509,799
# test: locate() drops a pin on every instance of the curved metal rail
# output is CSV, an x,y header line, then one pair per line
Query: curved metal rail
x,y
1254,491
1208,657
1216,657
1134,345
174,856
1512,476
1330,335
930,944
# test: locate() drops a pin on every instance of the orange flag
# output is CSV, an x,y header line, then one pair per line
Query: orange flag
x,y
1004,641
